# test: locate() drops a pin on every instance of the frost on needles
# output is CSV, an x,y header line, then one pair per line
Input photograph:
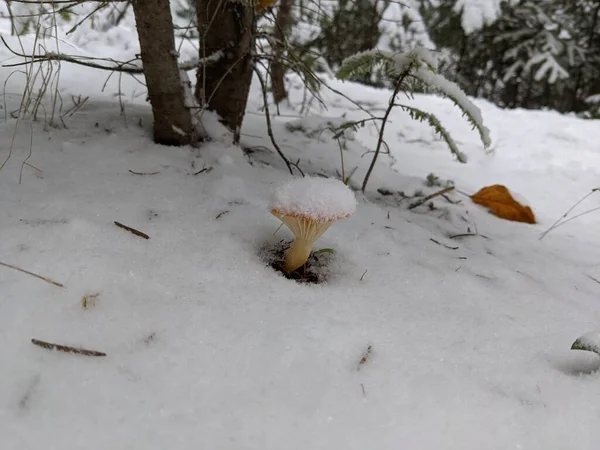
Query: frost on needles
x,y
418,65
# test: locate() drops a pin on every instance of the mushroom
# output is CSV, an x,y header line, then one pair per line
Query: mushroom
x,y
308,206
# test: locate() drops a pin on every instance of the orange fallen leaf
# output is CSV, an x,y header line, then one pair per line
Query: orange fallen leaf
x,y
498,199
259,5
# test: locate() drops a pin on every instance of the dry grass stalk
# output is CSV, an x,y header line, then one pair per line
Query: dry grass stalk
x,y
47,280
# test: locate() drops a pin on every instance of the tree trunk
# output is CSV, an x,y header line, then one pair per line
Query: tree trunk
x,y
283,22
172,120
227,35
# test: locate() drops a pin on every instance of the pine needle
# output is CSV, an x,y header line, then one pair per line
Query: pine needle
x,y
67,348
132,230
47,280
429,197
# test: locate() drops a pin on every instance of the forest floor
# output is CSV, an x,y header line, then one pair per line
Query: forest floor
x,y
415,338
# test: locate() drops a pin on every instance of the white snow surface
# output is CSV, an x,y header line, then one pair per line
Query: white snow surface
x,y
208,347
591,340
317,198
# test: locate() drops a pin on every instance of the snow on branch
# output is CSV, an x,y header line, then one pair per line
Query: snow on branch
x,y
421,64
459,98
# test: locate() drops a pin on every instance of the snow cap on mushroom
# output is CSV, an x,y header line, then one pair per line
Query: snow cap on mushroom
x,y
308,206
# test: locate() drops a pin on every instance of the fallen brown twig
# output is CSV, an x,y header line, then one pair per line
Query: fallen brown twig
x,y
132,230
454,236
429,197
443,245
47,280
143,173
66,348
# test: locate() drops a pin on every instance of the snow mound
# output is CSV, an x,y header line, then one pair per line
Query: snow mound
x,y
589,341
317,198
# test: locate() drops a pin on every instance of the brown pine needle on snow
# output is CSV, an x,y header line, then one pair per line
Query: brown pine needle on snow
x,y
132,230
66,348
47,280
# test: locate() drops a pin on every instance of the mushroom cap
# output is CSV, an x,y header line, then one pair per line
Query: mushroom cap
x,y
314,199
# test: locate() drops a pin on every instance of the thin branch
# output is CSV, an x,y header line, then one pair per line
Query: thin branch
x,y
47,280
132,230
143,173
385,119
268,117
119,67
429,197
66,348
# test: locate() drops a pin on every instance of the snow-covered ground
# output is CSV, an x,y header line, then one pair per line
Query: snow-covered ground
x,y
208,347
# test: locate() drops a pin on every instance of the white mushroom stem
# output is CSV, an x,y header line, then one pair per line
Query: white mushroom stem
x,y
307,231
297,255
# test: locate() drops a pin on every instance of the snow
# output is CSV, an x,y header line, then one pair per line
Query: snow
x,y
208,347
478,13
321,199
589,341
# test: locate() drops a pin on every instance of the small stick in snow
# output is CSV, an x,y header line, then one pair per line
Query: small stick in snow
x,y
204,169
132,230
365,357
443,245
592,278
429,197
363,275
363,390
66,348
454,236
47,280
449,200
221,214
143,173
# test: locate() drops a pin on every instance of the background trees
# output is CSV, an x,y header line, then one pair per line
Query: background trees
x,y
515,53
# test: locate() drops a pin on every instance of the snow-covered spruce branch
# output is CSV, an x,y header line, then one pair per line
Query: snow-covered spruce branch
x,y
418,64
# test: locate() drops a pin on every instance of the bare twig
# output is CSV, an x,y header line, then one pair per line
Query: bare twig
x,y
66,348
593,278
132,230
386,116
560,220
429,197
86,61
268,118
363,275
204,169
443,245
47,280
454,236
143,173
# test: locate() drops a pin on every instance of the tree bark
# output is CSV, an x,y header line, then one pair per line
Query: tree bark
x,y
172,119
227,35
283,22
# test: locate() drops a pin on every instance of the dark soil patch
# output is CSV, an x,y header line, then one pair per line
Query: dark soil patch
x,y
315,271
